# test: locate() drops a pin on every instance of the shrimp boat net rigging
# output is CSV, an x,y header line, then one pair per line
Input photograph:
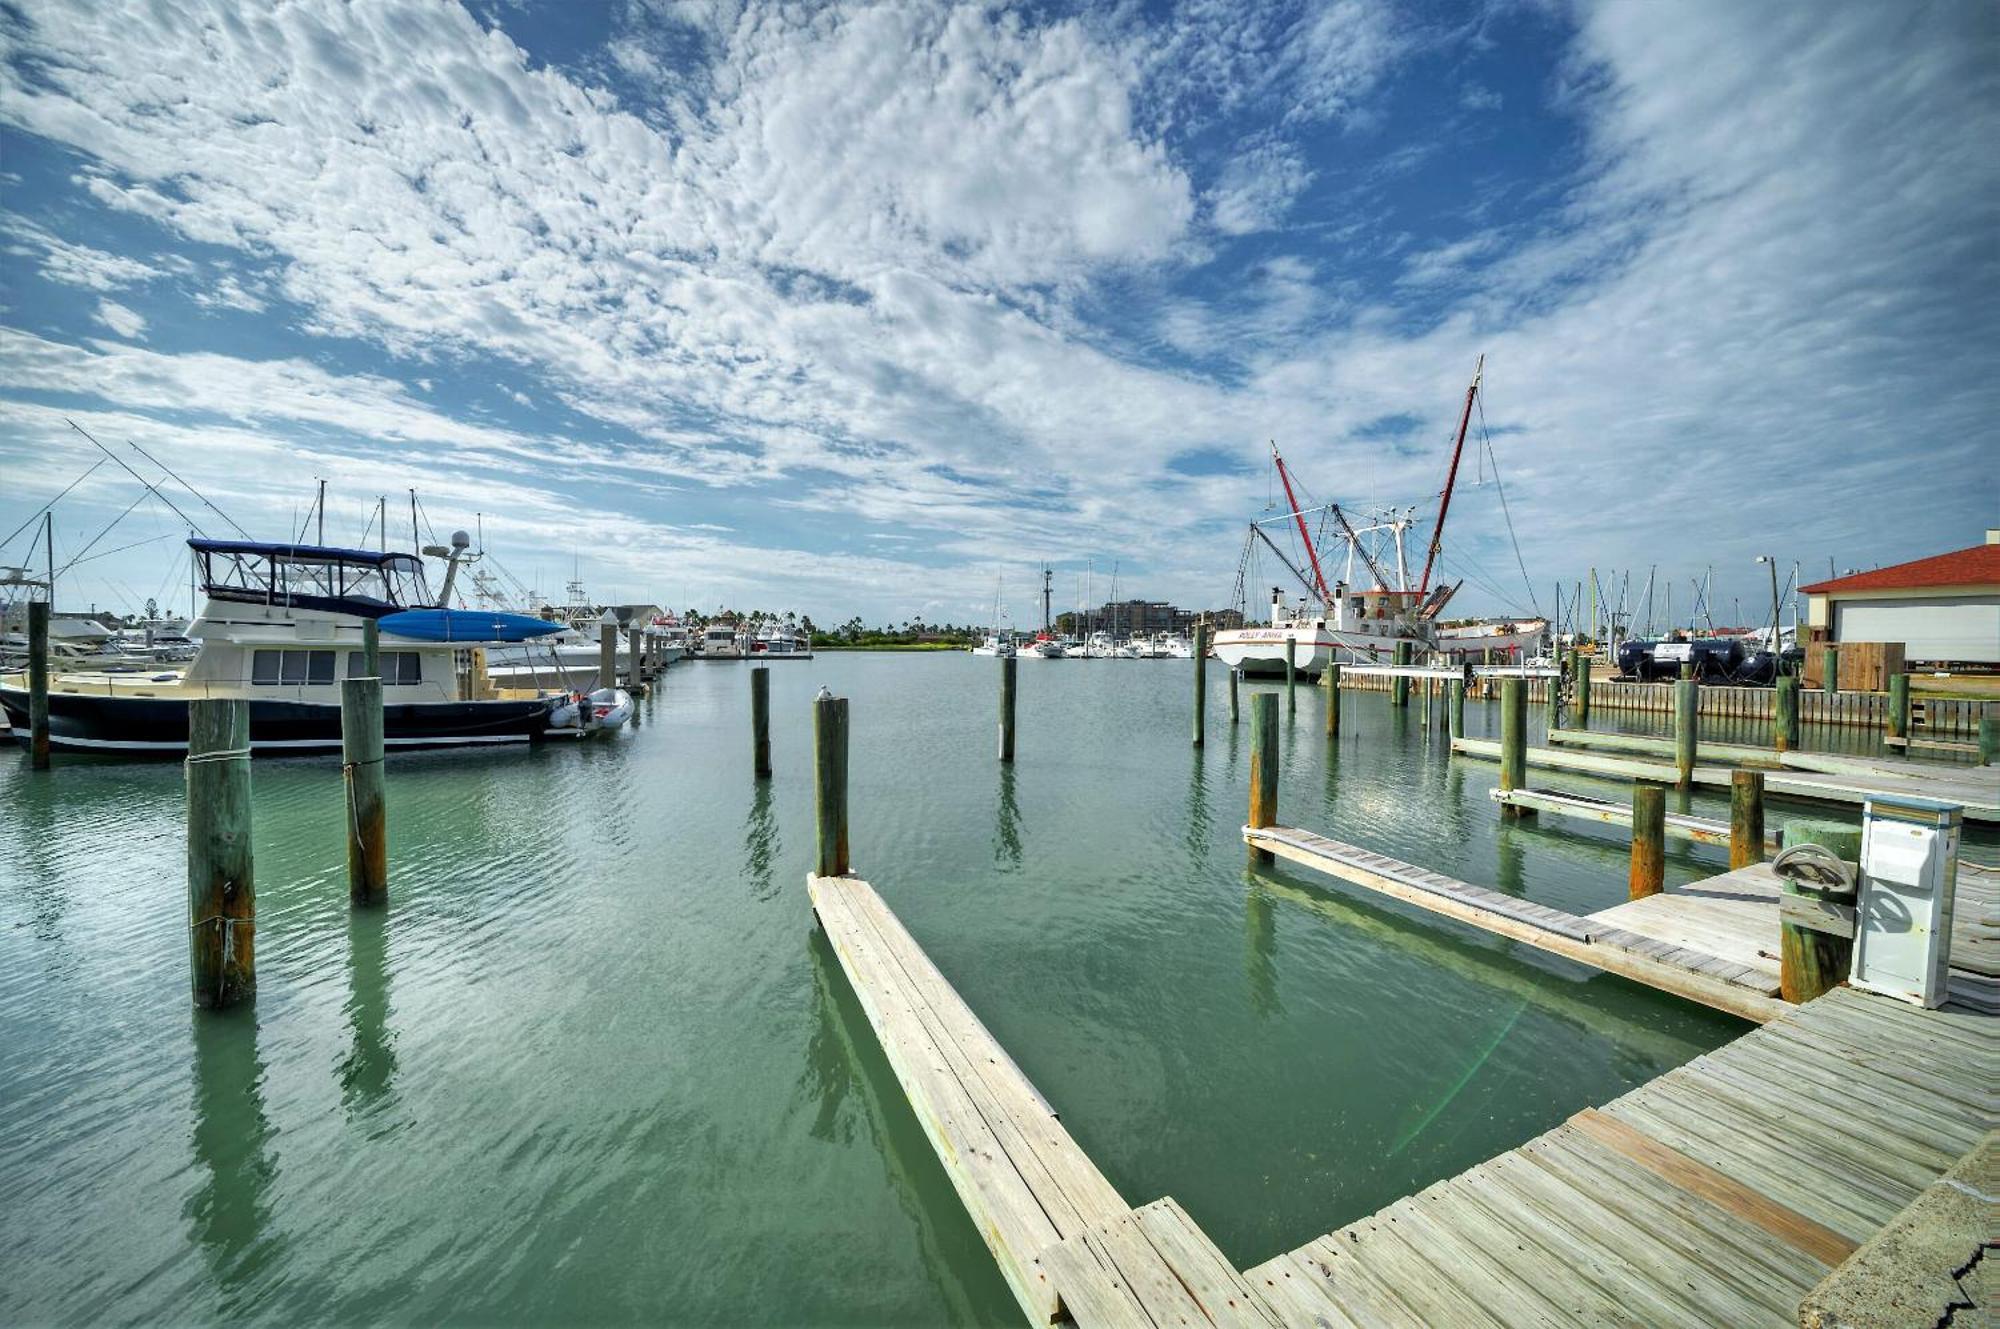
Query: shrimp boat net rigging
x,y
1359,602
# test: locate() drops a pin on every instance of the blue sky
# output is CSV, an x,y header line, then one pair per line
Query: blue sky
x,y
855,309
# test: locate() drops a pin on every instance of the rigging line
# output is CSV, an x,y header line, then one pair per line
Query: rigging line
x,y
1506,512
33,516
190,488
135,475
101,534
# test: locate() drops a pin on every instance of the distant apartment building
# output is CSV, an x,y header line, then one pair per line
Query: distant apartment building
x,y
1144,618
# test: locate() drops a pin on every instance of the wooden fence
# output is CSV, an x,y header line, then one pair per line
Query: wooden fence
x,y
1933,717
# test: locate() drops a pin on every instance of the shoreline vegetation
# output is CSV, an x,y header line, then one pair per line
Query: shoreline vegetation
x,y
887,644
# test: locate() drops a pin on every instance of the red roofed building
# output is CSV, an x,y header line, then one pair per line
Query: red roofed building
x,y
1944,609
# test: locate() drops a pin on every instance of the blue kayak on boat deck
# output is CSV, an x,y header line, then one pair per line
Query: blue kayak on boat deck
x,y
464,625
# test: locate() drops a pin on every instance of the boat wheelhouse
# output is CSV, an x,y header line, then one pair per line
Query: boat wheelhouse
x,y
282,626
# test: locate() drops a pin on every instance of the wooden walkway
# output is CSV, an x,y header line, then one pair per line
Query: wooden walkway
x,y
1583,807
1627,947
1060,1232
1723,1192
1976,789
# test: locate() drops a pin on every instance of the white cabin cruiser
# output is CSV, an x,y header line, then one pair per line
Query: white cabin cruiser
x,y
283,624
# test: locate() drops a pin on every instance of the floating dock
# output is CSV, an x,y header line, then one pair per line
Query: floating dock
x,y
1582,807
1770,1177
1648,947
1974,788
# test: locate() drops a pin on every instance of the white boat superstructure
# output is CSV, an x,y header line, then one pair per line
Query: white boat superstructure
x,y
781,641
994,644
722,641
1172,646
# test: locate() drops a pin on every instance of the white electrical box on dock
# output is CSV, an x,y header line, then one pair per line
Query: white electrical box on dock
x,y
1909,873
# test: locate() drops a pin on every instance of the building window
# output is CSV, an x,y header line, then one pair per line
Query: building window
x,y
399,668
291,668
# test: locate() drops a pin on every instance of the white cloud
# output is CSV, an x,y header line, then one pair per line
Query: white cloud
x,y
1257,188
125,322
75,264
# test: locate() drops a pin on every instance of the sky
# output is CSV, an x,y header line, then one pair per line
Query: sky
x,y
859,309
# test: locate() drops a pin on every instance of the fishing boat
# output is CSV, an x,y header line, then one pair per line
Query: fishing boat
x,y
1343,620
281,626
1044,647
994,643
1172,646
1099,646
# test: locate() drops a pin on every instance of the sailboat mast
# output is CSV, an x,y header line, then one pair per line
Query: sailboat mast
x,y
1451,476
1319,578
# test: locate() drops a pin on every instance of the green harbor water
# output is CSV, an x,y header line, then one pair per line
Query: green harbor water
x,y
593,1064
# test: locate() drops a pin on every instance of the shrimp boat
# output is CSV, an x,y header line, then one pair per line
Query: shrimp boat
x,y
1343,621
282,624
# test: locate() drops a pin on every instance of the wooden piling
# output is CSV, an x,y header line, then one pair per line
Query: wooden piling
x,y
1687,723
1989,736
1649,839
1899,706
1746,818
607,655
1235,708
371,648
1513,742
1785,714
830,781
367,804
1332,677
1812,960
1429,685
1263,766
1201,680
38,685
1399,690
1291,673
760,721
634,666
1830,664
1455,709
1552,695
222,898
1581,664
1007,672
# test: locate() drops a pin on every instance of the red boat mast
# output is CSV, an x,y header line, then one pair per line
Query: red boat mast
x,y
1450,479
1319,577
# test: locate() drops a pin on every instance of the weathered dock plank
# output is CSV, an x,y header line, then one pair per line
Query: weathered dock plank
x,y
1583,807
1726,984
1722,1192
1064,1239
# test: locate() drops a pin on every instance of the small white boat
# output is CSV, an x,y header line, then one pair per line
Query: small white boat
x,y
1172,646
994,644
598,712
1043,647
721,641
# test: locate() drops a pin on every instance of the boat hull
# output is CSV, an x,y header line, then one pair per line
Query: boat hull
x,y
158,725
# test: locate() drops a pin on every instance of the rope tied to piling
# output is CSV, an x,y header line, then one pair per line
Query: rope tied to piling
x,y
223,923
225,754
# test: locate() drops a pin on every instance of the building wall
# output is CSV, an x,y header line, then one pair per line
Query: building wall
x,y
1964,627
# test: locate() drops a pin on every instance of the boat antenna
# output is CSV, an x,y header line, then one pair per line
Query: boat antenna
x,y
46,506
142,479
1451,476
184,484
1291,499
322,509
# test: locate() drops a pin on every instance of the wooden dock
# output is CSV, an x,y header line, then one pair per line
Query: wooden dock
x,y
1727,1191
1582,807
1062,1236
1724,1192
1974,788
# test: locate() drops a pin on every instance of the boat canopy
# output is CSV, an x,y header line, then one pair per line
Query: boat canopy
x,y
365,582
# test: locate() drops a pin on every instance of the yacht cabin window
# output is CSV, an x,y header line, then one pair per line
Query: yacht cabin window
x,y
399,668
291,668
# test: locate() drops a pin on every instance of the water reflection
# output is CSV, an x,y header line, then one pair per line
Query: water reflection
x,y
33,804
845,1058
1200,833
231,1208
761,845
1260,933
1512,856
1007,828
368,1071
